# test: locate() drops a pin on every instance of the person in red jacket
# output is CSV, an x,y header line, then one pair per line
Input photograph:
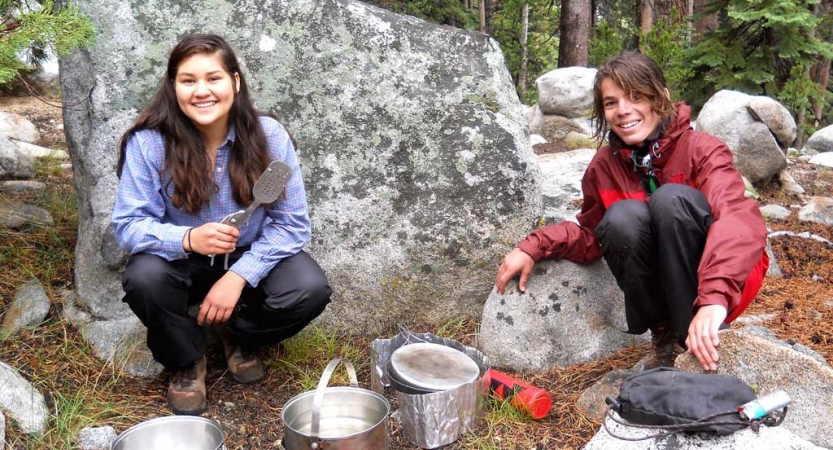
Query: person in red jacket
x,y
665,207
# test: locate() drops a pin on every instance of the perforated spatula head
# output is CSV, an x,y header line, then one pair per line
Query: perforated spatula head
x,y
267,189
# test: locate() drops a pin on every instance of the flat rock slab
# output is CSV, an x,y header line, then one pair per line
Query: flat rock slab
x,y
776,438
768,367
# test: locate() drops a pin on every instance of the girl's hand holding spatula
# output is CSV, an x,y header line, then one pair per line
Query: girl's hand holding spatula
x,y
212,238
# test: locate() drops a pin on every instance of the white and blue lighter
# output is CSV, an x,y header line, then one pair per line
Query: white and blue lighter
x,y
762,406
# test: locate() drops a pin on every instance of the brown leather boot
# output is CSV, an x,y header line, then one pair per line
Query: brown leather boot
x,y
245,367
186,391
664,345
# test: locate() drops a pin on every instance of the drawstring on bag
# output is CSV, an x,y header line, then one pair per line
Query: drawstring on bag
x,y
773,419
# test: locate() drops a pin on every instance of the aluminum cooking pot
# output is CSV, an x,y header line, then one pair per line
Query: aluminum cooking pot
x,y
336,418
403,386
172,432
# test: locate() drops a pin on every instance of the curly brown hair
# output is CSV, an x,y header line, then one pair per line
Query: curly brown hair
x,y
640,77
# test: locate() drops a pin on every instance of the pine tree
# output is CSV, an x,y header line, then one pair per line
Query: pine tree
x,y
30,29
760,47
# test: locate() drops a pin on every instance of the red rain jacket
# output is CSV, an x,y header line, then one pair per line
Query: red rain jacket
x,y
734,260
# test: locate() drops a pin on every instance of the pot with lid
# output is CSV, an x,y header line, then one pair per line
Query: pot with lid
x,y
426,367
431,414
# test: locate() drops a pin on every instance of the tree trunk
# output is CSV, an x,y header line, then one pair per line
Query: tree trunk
x,y
820,72
487,16
704,24
524,52
482,8
821,75
575,33
646,16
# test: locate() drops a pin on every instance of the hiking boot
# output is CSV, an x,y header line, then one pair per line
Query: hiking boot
x,y
664,345
245,367
186,391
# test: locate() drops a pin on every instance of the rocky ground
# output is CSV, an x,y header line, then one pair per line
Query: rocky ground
x,y
800,304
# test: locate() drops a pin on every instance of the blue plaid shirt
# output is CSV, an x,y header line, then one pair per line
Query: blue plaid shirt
x,y
146,221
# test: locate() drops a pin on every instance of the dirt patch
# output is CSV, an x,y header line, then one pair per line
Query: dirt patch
x,y
550,147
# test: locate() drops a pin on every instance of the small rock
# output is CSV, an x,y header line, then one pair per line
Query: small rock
x,y
815,315
22,401
789,185
592,401
822,159
96,438
14,215
828,304
21,185
36,151
817,278
749,189
536,139
755,320
29,307
17,127
775,212
818,210
773,270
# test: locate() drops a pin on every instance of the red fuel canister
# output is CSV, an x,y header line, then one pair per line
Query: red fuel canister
x,y
523,396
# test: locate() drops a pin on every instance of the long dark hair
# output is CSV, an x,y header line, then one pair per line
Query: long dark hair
x,y
186,158
639,76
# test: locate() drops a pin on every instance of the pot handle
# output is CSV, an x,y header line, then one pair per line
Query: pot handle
x,y
319,395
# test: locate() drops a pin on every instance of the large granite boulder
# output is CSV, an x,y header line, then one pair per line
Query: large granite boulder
x,y
757,129
567,91
411,137
569,314
821,141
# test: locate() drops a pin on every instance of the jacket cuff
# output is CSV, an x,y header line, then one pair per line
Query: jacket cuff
x,y
530,247
711,299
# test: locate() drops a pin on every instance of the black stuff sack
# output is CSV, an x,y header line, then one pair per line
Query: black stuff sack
x,y
669,396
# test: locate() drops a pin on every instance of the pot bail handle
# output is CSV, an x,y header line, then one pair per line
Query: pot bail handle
x,y
319,395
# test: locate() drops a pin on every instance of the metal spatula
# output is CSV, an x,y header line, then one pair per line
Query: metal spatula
x,y
267,189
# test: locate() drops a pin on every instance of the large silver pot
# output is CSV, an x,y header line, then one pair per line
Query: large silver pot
x,y
336,418
172,432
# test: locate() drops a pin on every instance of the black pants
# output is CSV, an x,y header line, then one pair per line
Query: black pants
x,y
654,251
159,292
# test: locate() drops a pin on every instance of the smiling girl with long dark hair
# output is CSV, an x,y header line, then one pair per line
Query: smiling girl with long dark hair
x,y
192,158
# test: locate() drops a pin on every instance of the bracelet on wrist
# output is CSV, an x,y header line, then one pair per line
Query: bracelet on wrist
x,y
190,247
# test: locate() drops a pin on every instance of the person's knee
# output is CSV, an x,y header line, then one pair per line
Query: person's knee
x,y
676,205
315,294
672,196
623,222
145,273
